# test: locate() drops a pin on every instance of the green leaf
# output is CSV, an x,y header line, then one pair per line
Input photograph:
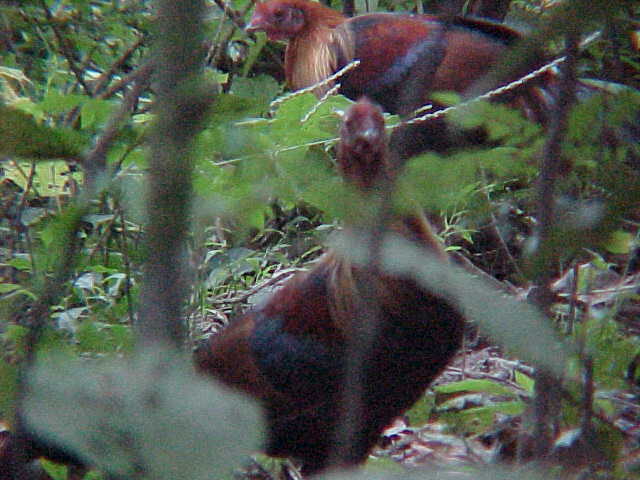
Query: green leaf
x,y
56,237
287,126
102,269
49,179
620,242
8,388
260,89
446,98
525,381
481,418
14,289
475,385
448,180
55,470
150,410
421,411
90,338
254,52
381,465
20,263
98,337
9,287
58,103
22,136
95,112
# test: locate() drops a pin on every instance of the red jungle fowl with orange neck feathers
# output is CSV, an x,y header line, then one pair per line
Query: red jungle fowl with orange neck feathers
x,y
447,54
291,354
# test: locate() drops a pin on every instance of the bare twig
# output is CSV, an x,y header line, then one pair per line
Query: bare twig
x,y
465,263
127,265
496,232
65,50
236,16
276,278
95,161
546,399
141,72
323,83
104,78
496,92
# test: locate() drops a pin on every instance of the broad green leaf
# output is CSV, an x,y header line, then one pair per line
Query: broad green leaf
x,y
438,182
14,289
50,179
55,470
149,413
261,90
59,103
446,98
22,136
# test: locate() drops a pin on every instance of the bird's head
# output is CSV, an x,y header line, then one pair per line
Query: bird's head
x,y
279,19
362,152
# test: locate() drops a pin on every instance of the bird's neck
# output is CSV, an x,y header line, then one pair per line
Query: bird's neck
x,y
365,170
310,57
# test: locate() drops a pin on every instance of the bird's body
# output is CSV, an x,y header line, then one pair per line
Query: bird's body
x,y
291,352
457,52
403,60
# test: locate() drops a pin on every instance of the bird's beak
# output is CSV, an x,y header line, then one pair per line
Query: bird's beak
x,y
368,130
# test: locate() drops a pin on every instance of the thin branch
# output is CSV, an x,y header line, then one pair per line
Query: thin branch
x,y
132,77
104,78
124,247
493,226
465,263
64,49
279,276
96,160
546,400
236,16
323,83
492,94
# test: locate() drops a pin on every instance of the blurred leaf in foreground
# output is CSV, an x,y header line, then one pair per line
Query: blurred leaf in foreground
x,y
519,326
149,416
22,136
462,473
